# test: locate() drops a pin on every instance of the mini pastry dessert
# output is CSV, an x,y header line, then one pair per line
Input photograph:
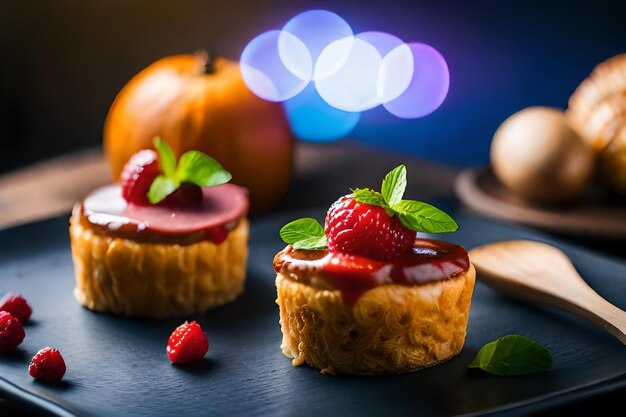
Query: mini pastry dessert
x,y
363,295
170,240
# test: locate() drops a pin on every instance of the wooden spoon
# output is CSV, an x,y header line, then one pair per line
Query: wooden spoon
x,y
541,273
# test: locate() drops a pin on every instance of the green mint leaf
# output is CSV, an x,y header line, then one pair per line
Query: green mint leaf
x,y
167,160
161,187
312,243
367,196
423,217
200,169
304,233
512,355
394,185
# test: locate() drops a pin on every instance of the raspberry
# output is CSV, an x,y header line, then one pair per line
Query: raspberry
x,y
47,365
188,195
137,176
11,332
187,343
17,306
365,230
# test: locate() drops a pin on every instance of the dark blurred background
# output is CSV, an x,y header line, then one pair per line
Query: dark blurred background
x,y
62,62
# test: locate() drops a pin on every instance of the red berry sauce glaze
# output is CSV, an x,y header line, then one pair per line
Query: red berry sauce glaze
x,y
222,207
428,261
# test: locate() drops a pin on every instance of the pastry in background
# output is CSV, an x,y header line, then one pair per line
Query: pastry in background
x,y
537,154
170,240
598,110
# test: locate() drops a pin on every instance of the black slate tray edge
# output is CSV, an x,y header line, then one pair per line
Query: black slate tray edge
x,y
32,402
546,402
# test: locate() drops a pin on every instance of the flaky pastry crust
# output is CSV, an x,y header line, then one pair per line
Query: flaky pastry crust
x,y
391,328
598,110
153,280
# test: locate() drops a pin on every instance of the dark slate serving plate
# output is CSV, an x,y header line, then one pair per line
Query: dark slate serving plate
x,y
118,366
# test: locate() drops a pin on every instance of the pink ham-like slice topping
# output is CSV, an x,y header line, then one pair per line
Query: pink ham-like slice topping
x,y
222,207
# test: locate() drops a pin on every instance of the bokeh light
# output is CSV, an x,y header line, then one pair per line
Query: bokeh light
x,y
396,73
264,72
429,85
316,29
354,86
382,41
312,119
295,56
396,69
324,72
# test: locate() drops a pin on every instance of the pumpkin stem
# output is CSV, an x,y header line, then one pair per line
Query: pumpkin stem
x,y
205,62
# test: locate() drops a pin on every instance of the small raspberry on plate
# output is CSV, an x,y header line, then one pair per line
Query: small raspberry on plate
x,y
17,306
187,343
366,230
11,332
47,365
137,176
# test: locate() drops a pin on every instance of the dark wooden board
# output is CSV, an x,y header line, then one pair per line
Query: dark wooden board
x,y
118,366
592,217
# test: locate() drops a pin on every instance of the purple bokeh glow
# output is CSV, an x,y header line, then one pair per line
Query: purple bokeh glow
x,y
396,67
317,29
382,41
429,84
265,73
354,85
350,73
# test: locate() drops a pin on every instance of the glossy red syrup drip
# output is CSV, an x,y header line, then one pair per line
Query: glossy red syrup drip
x,y
429,260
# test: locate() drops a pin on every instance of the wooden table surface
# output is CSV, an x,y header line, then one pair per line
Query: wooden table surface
x,y
321,174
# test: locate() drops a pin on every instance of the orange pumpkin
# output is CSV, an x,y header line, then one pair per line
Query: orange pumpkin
x,y
211,110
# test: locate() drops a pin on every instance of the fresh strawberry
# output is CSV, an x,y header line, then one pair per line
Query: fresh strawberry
x,y
11,332
47,365
187,343
365,230
17,306
137,176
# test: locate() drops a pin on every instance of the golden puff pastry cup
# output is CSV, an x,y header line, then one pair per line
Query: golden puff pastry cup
x,y
154,276
390,329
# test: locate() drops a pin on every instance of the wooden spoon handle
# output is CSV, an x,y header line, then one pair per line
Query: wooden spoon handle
x,y
601,312
584,302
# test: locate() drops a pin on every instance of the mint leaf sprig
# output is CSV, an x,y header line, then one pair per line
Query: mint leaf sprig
x,y
304,233
308,234
414,215
512,355
193,167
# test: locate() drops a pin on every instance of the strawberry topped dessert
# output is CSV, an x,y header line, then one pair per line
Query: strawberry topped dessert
x,y
364,294
170,239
